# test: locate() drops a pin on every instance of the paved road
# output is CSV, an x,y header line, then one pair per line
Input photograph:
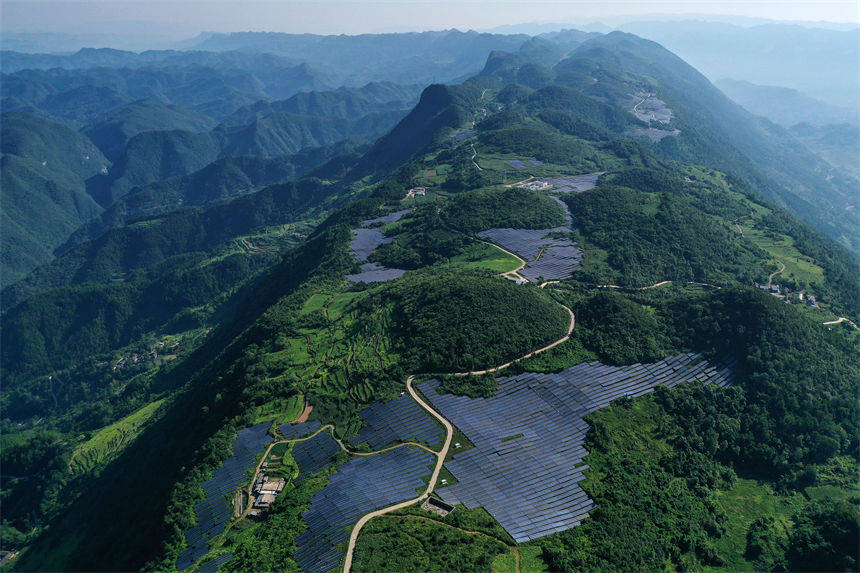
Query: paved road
x,y
442,454
440,459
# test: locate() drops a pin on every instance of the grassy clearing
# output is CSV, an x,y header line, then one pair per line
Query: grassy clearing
x,y
746,501
799,268
481,256
280,411
314,303
531,559
505,563
338,306
110,440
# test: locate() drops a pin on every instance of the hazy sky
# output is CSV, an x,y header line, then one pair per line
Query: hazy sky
x,y
351,17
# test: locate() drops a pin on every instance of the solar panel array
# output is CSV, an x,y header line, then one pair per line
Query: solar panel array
x,y
649,107
293,431
213,565
529,438
214,512
654,134
359,486
575,183
375,273
400,420
462,134
390,218
516,164
364,241
550,258
315,454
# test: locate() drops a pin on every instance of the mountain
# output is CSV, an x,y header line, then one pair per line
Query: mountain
x,y
343,103
44,196
218,181
112,131
156,155
785,106
838,144
815,61
214,85
589,251
713,127
406,58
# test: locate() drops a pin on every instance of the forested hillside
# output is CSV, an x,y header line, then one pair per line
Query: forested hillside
x,y
581,282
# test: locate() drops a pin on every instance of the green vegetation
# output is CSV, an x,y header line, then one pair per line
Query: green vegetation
x,y
413,544
482,386
174,327
482,256
651,237
270,546
107,442
44,169
512,207
680,449
457,321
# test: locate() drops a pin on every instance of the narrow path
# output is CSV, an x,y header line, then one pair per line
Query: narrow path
x,y
474,155
840,320
516,271
774,273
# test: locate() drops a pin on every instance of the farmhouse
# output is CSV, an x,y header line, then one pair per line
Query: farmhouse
x,y
537,185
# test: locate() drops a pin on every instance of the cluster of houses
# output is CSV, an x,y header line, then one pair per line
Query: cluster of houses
x,y
415,192
784,293
536,185
266,490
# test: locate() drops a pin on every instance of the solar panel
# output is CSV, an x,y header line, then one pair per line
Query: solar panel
x,y
375,273
531,484
366,240
292,431
213,513
548,257
359,486
212,566
575,183
399,420
315,454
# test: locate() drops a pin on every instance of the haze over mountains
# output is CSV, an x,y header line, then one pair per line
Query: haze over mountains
x,y
209,243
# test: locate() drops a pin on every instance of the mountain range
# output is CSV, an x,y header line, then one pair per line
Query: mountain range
x,y
291,255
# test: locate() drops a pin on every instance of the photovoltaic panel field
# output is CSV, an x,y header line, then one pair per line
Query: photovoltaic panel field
x,y
359,486
365,240
293,431
400,420
374,273
215,512
575,183
315,454
212,566
529,438
549,258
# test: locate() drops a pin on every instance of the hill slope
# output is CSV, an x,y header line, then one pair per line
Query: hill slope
x,y
45,169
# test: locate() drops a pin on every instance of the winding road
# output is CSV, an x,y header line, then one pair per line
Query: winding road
x,y
449,434
774,273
